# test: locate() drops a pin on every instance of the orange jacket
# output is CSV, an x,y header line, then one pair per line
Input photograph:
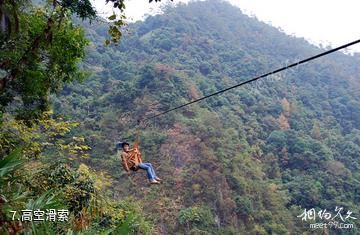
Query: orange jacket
x,y
131,159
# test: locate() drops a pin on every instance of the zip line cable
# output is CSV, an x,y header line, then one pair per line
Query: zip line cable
x,y
254,79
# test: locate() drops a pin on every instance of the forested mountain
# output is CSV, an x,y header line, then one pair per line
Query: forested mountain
x,y
249,161
246,162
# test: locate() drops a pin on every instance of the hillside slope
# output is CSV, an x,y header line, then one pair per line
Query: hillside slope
x,y
246,162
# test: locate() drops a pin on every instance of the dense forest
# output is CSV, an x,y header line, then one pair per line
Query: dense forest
x,y
249,161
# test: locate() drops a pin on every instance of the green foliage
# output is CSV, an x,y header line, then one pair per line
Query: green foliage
x,y
83,9
248,169
42,137
254,158
40,52
247,155
39,58
244,206
9,163
60,187
199,220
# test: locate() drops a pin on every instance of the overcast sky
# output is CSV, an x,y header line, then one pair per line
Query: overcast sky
x,y
319,21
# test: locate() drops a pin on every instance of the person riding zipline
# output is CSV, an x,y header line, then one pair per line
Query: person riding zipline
x,y
131,160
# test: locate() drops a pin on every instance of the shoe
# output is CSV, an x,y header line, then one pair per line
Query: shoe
x,y
154,182
158,179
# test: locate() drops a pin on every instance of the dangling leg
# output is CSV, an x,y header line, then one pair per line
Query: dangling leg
x,y
147,169
151,168
150,172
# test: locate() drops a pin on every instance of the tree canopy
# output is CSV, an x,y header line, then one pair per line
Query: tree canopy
x,y
247,162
